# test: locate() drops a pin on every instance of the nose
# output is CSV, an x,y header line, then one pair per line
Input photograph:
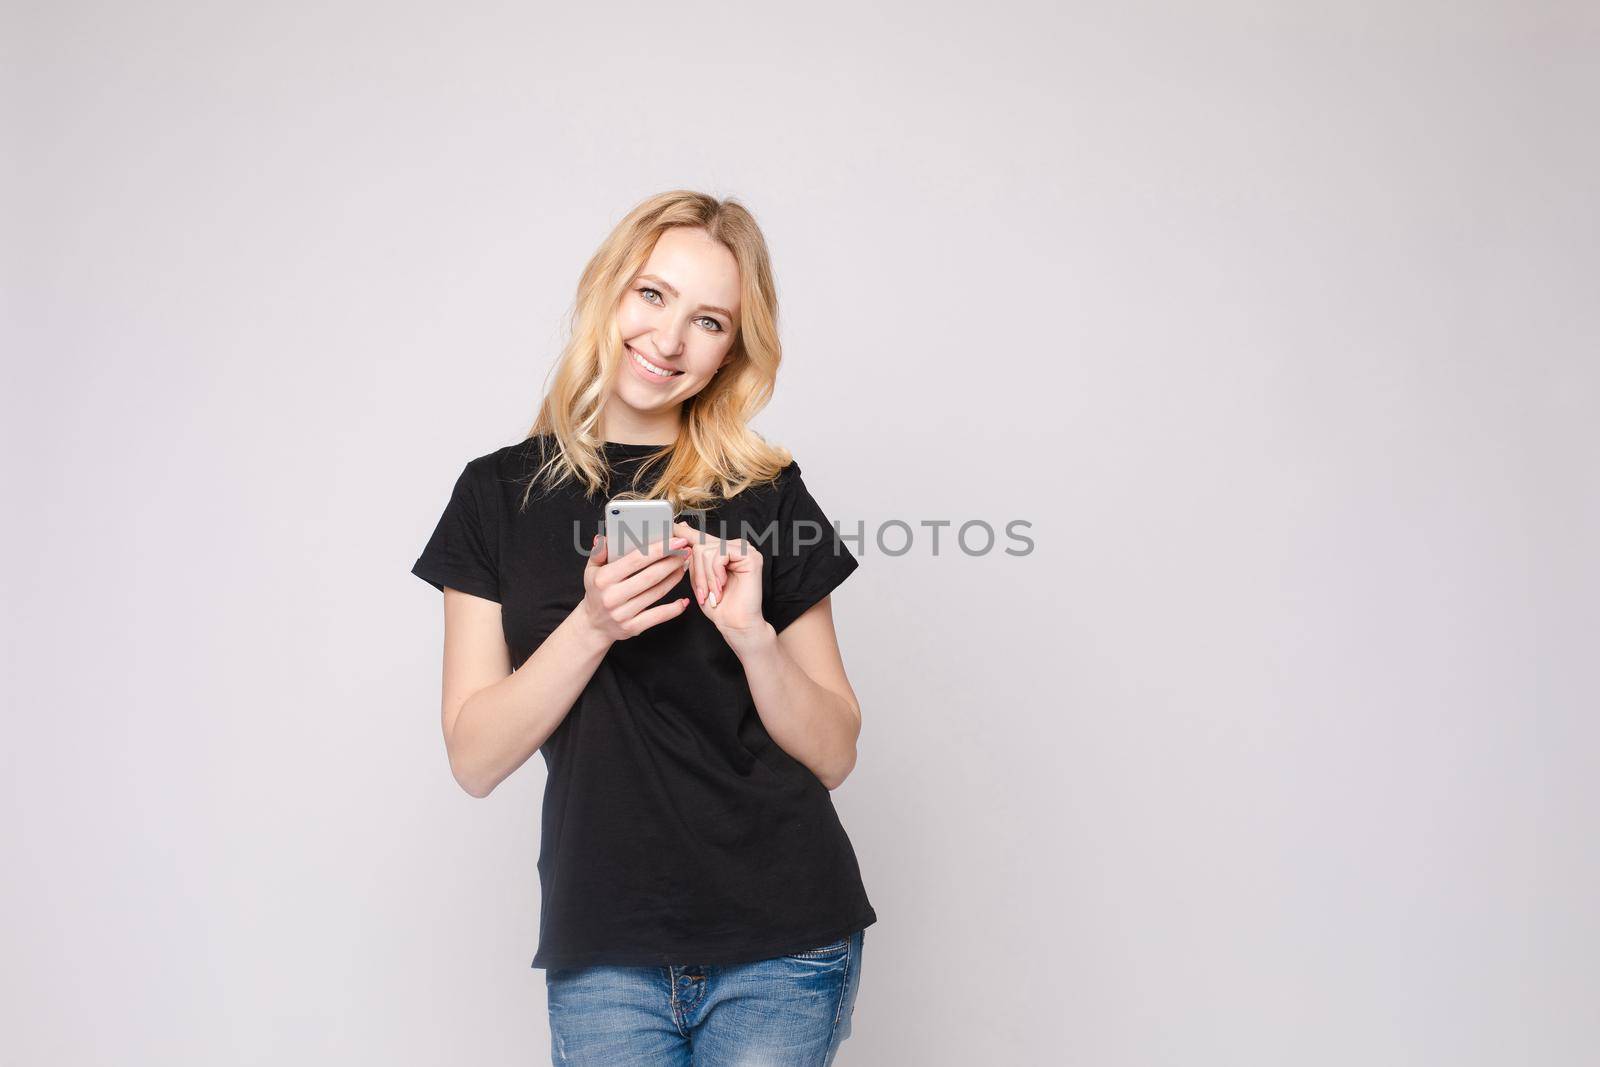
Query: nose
x,y
669,342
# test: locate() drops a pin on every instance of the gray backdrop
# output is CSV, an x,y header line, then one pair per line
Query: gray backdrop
x,y
1277,323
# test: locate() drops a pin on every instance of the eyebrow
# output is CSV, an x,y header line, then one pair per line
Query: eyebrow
x,y
668,287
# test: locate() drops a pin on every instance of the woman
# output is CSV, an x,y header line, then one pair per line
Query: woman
x,y
699,895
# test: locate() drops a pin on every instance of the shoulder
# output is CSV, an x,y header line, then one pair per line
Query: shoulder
x,y
777,488
769,463
493,477
509,463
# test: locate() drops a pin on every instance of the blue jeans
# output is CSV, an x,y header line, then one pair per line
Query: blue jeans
x,y
788,1011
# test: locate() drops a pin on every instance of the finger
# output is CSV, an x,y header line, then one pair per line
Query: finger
x,y
699,540
719,570
697,574
700,575
635,606
708,563
664,569
646,619
741,558
620,568
597,552
695,537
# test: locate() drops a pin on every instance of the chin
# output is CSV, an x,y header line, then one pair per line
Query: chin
x,y
641,399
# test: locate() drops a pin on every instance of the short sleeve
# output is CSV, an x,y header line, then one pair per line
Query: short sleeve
x,y
807,558
463,552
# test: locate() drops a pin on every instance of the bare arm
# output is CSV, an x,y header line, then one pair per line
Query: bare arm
x,y
796,678
496,718
802,693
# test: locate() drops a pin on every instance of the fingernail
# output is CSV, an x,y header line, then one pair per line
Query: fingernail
x,y
680,542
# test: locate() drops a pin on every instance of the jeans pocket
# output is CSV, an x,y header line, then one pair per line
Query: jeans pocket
x,y
837,948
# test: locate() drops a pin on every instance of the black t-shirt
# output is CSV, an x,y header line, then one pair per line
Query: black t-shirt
x,y
674,830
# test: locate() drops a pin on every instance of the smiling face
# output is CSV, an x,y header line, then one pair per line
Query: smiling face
x,y
679,316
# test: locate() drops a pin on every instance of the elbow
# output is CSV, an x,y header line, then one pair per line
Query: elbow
x,y
478,790
835,776
471,779
475,785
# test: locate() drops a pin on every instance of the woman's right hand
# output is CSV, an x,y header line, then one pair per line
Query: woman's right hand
x,y
617,593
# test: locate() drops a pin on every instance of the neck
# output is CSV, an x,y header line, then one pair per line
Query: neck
x,y
629,427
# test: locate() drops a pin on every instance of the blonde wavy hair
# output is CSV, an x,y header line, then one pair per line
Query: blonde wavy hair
x,y
717,455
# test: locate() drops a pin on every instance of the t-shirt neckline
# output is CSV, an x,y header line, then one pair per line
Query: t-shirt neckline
x,y
628,448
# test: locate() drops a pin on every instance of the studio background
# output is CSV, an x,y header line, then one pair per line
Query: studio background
x,y
1277,323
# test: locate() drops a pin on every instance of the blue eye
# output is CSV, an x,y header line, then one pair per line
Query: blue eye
x,y
642,290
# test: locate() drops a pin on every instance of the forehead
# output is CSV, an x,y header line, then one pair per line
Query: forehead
x,y
701,269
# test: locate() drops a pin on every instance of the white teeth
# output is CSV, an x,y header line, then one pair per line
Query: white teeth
x,y
652,368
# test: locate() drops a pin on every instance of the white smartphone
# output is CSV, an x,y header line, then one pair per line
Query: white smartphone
x,y
636,524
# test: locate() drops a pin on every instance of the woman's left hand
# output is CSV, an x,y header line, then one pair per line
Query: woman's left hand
x,y
726,576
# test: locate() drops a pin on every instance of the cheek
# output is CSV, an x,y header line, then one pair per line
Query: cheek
x,y
708,354
630,321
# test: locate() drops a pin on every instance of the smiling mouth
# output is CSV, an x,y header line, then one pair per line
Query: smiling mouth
x,y
658,371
